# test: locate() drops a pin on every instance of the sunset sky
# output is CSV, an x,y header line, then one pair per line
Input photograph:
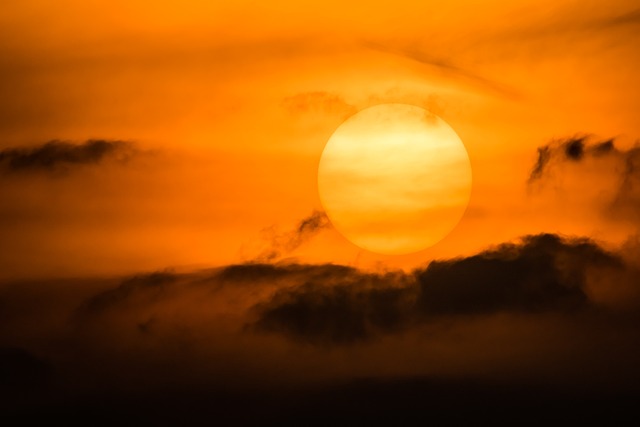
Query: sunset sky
x,y
160,214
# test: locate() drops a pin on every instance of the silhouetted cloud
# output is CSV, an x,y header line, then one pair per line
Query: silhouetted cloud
x,y
61,155
262,272
335,305
143,290
623,165
540,306
280,244
542,273
574,148
349,310
544,155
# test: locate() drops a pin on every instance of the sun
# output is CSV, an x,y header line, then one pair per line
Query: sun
x,y
394,179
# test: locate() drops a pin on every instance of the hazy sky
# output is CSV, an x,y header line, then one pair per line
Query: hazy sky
x,y
230,107
184,138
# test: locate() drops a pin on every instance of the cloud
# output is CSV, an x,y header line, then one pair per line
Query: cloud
x,y
335,305
616,171
542,273
570,149
350,310
56,155
544,308
255,273
280,244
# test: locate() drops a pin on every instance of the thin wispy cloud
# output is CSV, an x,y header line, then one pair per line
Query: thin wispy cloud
x,y
63,156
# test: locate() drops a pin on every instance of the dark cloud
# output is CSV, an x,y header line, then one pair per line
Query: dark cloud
x,y
61,156
576,149
335,305
262,272
623,165
204,342
604,147
280,244
565,149
544,155
351,310
144,290
542,273
311,224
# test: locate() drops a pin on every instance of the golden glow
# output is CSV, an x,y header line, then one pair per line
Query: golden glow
x,y
236,101
394,179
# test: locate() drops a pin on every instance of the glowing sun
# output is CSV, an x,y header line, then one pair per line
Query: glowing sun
x,y
394,179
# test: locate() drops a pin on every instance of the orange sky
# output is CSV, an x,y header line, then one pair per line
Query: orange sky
x,y
230,105
165,255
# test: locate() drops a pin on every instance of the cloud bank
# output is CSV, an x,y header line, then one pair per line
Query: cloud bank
x,y
535,314
542,273
532,323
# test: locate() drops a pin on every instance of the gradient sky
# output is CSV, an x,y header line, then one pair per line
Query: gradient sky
x,y
184,138
233,104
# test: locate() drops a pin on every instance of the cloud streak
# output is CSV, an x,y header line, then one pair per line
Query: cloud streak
x,y
281,244
444,66
55,156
